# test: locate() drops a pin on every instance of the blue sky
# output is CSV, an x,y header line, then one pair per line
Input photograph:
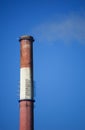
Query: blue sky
x,y
58,27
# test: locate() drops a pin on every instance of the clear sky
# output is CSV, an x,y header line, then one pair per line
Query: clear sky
x,y
58,27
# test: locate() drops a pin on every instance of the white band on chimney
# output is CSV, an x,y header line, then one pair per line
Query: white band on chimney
x,y
25,84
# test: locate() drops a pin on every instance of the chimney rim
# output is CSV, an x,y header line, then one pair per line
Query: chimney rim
x,y
26,37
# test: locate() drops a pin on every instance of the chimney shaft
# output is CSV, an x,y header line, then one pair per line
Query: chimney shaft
x,y
26,83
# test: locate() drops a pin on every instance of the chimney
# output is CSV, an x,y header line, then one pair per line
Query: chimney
x,y
26,100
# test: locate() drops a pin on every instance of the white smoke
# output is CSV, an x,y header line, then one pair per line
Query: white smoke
x,y
67,29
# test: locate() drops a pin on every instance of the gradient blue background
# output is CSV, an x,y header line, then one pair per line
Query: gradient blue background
x,y
59,65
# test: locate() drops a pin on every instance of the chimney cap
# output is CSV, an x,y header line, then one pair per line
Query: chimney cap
x,y
26,37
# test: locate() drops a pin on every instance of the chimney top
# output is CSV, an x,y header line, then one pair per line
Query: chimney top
x,y
26,37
